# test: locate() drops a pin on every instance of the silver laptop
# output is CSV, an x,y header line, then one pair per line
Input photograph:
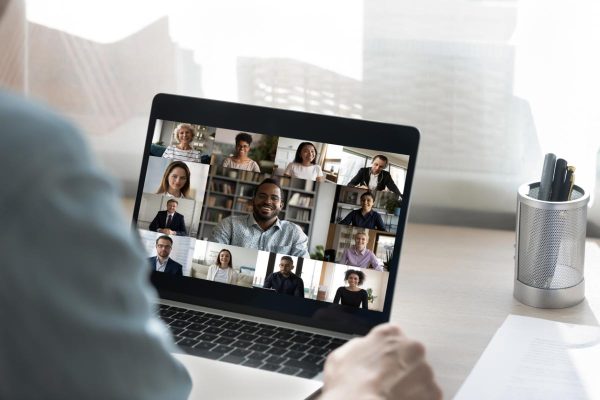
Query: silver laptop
x,y
272,236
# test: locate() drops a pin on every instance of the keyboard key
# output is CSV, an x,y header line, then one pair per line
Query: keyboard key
x,y
277,351
319,351
300,339
301,364
252,363
208,337
232,359
257,356
296,355
307,373
181,316
289,370
321,337
230,319
232,325
281,343
204,345
198,320
283,335
187,342
242,344
163,306
247,336
194,312
241,352
195,351
166,313
190,334
275,360
249,323
259,347
269,367
263,340
214,322
230,334
224,340
167,320
300,347
213,330
312,359
248,329
178,309
302,333
318,342
222,349
176,331
196,327
266,332
286,330
179,324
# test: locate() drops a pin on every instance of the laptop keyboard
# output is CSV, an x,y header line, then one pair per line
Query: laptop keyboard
x,y
248,343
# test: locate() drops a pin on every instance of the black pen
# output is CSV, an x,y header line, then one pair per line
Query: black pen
x,y
559,179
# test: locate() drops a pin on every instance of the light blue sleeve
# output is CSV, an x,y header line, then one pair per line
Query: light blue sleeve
x,y
75,298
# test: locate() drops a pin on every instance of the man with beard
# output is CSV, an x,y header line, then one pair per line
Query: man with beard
x,y
262,229
285,281
161,262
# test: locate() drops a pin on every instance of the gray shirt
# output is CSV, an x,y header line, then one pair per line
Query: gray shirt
x,y
282,237
73,325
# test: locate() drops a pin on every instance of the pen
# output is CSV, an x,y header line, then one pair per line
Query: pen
x,y
547,173
559,179
570,169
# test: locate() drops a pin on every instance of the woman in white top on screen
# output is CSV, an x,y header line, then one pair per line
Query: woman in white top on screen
x,y
183,151
175,181
241,160
222,270
305,165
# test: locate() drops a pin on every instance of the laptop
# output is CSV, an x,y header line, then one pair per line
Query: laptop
x,y
272,236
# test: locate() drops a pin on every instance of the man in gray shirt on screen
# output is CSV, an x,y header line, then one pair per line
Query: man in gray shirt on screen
x,y
262,229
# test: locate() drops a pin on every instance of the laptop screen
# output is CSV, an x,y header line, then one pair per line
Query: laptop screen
x,y
281,222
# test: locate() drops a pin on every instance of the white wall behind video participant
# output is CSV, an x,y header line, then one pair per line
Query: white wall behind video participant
x,y
182,250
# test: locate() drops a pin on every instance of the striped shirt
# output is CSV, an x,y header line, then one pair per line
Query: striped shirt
x,y
283,237
173,153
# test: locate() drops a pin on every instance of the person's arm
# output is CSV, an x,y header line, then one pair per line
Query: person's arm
x,y
347,220
385,364
375,262
288,171
356,181
268,282
299,291
379,225
93,303
390,185
179,271
154,224
226,162
365,300
255,166
222,232
338,296
300,244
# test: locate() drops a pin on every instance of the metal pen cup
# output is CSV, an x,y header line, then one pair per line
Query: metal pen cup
x,y
550,248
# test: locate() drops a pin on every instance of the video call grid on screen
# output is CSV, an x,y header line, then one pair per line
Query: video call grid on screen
x,y
336,223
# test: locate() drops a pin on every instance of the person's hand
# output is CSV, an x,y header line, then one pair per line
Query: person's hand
x,y
361,186
320,179
385,364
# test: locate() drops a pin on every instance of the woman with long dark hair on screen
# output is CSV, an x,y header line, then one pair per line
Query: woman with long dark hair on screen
x,y
352,295
305,164
175,181
222,270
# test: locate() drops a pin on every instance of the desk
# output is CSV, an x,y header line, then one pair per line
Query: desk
x,y
454,291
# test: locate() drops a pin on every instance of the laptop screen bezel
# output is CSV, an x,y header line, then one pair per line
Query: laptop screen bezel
x,y
384,137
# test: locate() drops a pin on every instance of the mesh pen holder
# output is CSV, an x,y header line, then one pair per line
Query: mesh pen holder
x,y
550,248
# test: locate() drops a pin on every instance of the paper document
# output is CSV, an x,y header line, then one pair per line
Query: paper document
x,y
531,358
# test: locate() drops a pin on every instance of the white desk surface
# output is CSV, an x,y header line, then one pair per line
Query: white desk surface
x,y
454,290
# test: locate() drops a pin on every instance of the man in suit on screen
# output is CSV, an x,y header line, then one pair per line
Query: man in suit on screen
x,y
161,262
169,221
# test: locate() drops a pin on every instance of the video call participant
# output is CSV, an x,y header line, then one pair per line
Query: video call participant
x,y
358,255
365,216
305,164
285,281
375,177
169,222
352,295
241,160
175,181
161,262
222,270
183,151
262,229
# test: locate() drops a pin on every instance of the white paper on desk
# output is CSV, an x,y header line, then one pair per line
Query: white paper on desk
x,y
531,358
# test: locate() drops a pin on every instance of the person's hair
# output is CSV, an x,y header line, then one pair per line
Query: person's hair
x,y
243,137
298,157
382,158
182,126
164,183
172,201
361,233
360,274
271,181
218,262
166,237
365,194
287,258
